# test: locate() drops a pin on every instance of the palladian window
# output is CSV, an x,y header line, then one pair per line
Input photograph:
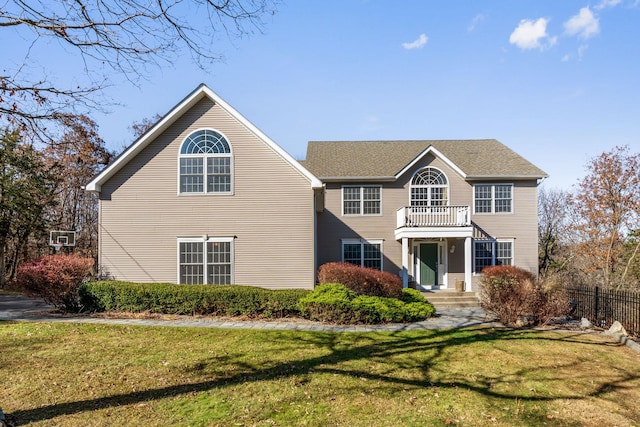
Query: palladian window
x,y
429,187
206,165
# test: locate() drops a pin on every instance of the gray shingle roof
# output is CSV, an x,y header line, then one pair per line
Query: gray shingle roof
x,y
483,158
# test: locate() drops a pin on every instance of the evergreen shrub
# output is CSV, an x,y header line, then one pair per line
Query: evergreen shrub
x,y
335,303
168,298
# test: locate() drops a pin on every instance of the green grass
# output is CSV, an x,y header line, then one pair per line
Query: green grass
x,y
93,375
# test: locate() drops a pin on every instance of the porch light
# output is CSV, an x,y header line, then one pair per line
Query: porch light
x,y
452,249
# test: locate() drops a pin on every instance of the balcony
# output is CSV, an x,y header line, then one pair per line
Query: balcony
x,y
433,221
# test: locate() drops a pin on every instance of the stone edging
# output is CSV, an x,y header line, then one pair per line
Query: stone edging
x,y
623,339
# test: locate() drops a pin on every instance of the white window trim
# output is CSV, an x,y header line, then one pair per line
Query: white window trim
x,y
204,240
361,187
493,252
447,185
362,242
204,166
493,198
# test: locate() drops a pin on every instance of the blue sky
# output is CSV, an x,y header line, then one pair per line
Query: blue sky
x,y
557,81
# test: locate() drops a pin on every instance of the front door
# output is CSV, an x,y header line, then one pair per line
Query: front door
x,y
428,264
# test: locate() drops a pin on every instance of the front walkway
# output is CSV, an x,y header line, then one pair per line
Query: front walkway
x,y
20,308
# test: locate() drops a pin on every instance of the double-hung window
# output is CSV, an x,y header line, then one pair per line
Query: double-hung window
x,y
493,198
207,261
487,253
205,164
365,253
361,200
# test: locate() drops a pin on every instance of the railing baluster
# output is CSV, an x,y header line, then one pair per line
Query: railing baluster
x,y
434,216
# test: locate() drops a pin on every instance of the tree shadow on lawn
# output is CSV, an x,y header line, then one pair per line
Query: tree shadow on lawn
x,y
421,351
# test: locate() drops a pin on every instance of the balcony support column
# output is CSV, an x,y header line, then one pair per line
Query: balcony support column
x,y
405,262
468,267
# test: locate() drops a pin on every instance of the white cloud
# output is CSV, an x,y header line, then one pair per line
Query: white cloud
x,y
607,3
585,24
530,34
417,43
475,21
581,50
578,56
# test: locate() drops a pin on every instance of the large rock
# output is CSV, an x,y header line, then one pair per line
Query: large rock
x,y
617,328
585,324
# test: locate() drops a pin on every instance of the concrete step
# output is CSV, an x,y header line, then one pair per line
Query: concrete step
x,y
455,304
452,299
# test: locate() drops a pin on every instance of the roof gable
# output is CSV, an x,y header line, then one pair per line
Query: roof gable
x,y
388,160
178,111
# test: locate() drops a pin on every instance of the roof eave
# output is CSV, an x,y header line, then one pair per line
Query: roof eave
x,y
358,178
95,185
177,111
509,177
437,153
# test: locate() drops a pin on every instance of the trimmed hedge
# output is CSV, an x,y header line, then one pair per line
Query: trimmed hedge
x,y
361,280
333,302
167,298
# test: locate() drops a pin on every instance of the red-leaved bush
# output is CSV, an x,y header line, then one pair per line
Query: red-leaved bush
x,y
361,280
55,278
517,298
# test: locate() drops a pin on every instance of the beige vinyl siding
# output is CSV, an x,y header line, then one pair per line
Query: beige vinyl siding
x,y
332,226
270,212
521,225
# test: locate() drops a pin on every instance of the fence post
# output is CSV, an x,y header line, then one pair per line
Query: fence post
x,y
595,303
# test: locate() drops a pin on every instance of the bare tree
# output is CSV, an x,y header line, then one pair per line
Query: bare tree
x,y
141,127
77,157
608,204
121,36
553,221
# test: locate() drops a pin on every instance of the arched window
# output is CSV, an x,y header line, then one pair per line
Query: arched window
x,y
205,158
429,187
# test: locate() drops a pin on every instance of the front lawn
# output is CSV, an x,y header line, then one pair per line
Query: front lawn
x,y
73,374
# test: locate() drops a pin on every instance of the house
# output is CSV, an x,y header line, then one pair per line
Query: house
x,y
206,197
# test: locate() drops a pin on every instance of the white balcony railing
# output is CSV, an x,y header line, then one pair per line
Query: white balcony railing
x,y
433,216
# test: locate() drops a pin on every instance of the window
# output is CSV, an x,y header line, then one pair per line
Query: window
x,y
504,253
365,253
493,198
361,200
429,187
492,252
205,164
211,259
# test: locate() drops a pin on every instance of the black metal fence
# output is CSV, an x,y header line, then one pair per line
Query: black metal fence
x,y
604,306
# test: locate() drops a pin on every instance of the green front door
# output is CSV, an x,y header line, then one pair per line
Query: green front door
x,y
429,264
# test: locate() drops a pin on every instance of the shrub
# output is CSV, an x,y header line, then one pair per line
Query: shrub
x,y
378,309
330,302
517,298
55,278
167,298
333,302
416,311
361,280
411,295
